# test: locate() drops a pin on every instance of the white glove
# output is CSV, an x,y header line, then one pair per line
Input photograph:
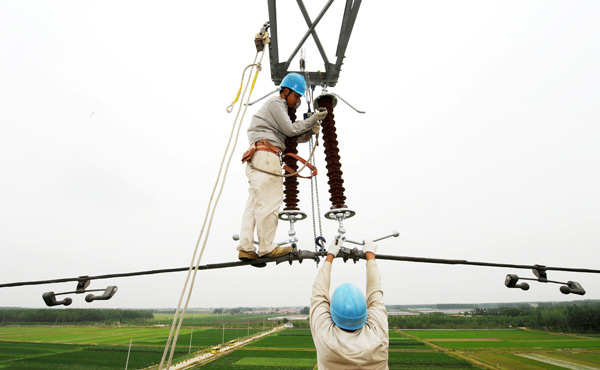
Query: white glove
x,y
322,113
369,247
334,247
316,129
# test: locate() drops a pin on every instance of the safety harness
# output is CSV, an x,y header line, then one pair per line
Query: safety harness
x,y
266,146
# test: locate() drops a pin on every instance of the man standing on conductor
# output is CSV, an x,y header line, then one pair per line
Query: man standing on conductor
x,y
267,132
349,331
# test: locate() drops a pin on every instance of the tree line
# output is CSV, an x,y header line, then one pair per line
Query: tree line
x,y
563,318
73,315
581,318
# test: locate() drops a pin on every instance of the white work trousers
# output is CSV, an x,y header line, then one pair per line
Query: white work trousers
x,y
265,196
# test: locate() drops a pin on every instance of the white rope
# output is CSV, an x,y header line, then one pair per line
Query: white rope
x,y
210,210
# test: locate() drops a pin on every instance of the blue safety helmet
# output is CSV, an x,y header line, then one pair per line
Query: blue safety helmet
x,y
295,82
348,307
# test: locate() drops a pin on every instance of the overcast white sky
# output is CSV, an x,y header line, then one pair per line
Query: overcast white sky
x,y
480,142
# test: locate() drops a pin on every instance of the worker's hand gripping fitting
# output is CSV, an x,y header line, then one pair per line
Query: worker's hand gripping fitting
x,y
369,247
316,129
334,247
319,115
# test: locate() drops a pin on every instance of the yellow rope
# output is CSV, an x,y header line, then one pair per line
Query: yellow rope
x,y
258,69
230,107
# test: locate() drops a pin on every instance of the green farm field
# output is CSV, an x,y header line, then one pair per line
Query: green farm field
x,y
218,320
288,339
140,336
400,341
433,350
515,348
91,347
294,349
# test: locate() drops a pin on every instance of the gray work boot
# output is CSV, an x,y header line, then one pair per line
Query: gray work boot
x,y
250,256
278,252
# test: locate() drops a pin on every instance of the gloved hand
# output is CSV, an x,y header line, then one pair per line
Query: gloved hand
x,y
369,247
316,129
334,247
321,114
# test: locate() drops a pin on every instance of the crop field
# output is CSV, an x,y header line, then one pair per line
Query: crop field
x,y
497,334
400,341
34,356
510,339
433,350
290,349
218,320
81,347
253,359
516,349
290,339
140,336
294,349
92,347
426,360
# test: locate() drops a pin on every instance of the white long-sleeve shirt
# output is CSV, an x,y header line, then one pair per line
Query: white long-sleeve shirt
x,y
365,348
273,123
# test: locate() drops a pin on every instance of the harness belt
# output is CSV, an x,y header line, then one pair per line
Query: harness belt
x,y
266,146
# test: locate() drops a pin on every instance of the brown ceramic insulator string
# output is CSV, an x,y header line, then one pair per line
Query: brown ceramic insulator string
x,y
332,156
291,183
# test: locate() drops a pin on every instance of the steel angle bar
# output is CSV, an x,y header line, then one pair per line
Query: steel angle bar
x,y
313,32
307,33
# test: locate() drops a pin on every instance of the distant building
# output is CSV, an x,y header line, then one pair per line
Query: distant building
x,y
289,318
403,313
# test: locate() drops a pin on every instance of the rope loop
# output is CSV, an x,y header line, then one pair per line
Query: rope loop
x,y
258,66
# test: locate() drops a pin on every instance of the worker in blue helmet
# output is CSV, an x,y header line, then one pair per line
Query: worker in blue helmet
x,y
349,330
268,129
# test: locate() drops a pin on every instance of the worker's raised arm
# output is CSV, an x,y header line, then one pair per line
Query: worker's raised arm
x,y
375,305
319,304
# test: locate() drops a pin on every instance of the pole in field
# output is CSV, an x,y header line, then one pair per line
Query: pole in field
x,y
128,352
